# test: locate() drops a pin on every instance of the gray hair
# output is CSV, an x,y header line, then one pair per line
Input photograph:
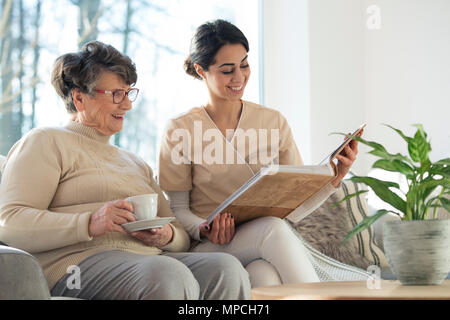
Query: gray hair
x,y
82,69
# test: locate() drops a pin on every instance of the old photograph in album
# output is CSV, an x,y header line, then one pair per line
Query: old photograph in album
x,y
277,190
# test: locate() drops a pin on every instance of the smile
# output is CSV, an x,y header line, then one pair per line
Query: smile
x,y
236,89
118,116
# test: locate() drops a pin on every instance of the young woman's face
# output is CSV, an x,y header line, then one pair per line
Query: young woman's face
x,y
227,77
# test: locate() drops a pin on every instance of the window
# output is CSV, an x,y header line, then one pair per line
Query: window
x,y
155,34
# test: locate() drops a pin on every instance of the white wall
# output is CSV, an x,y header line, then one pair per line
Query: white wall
x,y
407,72
286,66
333,73
336,64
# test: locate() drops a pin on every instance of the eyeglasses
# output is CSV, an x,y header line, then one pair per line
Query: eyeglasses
x,y
119,95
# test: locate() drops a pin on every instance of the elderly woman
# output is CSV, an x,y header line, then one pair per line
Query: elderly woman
x,y
62,198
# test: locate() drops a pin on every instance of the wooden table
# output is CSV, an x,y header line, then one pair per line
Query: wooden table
x,y
351,290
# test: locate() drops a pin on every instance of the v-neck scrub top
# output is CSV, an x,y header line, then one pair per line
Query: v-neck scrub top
x,y
195,156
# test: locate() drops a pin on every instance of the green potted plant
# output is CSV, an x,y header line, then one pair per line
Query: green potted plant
x,y
417,246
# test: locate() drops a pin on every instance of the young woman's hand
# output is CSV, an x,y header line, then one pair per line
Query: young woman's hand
x,y
346,159
222,230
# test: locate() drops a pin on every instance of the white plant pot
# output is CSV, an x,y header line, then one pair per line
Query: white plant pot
x,y
418,252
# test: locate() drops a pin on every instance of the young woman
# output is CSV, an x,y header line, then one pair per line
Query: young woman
x,y
203,160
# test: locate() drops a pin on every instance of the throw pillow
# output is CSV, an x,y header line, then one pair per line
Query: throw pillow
x,y
325,229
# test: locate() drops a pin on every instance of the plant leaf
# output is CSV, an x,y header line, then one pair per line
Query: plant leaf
x,y
381,189
406,138
378,149
368,181
394,166
430,182
445,161
444,201
446,204
419,147
421,191
441,167
390,157
372,144
411,197
347,198
367,222
420,129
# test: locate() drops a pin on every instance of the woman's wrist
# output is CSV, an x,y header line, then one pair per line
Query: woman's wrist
x,y
336,183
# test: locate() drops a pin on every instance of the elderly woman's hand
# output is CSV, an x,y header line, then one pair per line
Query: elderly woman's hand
x,y
110,217
157,237
346,159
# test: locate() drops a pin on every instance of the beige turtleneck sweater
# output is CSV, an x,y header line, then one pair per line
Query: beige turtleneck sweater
x,y
54,179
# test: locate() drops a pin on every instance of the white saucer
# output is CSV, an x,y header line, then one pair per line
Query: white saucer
x,y
146,224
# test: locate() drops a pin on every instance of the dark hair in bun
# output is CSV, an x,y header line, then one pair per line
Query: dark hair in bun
x,y
207,41
190,69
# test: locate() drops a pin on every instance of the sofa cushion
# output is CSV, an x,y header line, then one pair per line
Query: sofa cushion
x,y
326,228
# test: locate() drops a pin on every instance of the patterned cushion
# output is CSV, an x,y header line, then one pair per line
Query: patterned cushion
x,y
325,229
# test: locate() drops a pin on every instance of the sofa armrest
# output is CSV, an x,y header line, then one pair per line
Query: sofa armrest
x,y
21,276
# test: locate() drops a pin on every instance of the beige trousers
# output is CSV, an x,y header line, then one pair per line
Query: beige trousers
x,y
270,239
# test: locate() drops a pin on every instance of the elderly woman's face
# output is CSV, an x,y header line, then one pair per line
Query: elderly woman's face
x,y
100,111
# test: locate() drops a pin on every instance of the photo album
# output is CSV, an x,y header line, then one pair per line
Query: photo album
x,y
277,190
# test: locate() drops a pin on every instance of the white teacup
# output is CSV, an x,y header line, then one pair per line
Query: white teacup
x,y
145,206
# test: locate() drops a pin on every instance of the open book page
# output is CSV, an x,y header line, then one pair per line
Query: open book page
x,y
234,196
275,191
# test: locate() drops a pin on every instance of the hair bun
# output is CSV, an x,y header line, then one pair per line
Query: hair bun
x,y
190,69
207,41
